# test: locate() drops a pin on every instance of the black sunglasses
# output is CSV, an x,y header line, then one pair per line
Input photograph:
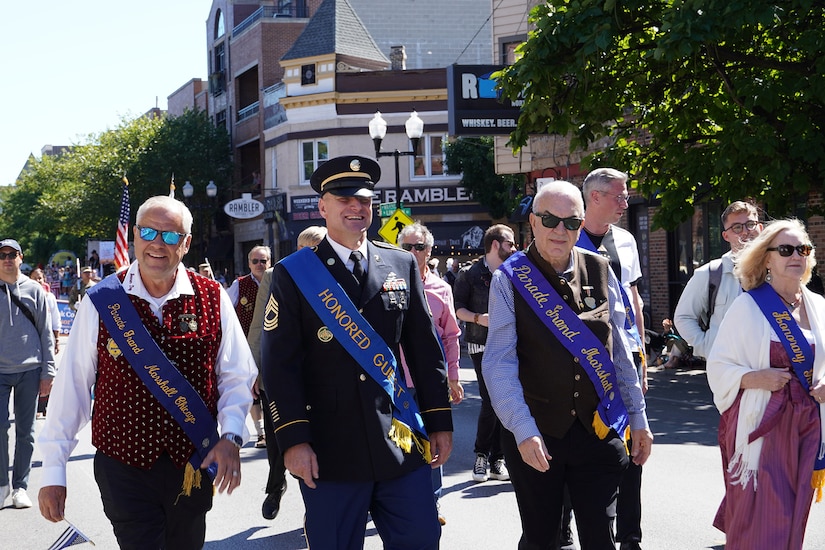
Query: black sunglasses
x,y
9,255
550,221
256,261
169,237
786,250
418,246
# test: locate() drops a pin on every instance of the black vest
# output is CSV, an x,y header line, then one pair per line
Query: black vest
x,y
556,388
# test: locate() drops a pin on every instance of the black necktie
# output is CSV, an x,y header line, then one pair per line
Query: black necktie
x,y
358,269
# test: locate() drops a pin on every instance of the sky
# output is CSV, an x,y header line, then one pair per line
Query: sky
x,y
79,68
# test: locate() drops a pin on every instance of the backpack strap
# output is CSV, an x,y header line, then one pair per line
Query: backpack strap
x,y
23,309
714,280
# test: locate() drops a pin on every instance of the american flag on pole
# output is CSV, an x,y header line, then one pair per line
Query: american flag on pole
x,y
70,537
122,241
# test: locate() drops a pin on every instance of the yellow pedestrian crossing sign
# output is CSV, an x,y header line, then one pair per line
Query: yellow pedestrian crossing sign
x,y
394,225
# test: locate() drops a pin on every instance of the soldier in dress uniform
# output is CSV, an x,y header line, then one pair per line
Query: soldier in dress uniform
x,y
162,328
342,417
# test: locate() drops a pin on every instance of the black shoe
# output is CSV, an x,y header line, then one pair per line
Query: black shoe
x,y
272,503
630,546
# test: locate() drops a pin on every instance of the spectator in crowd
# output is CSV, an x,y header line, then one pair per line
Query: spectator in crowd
x,y
242,293
343,418
276,481
26,368
418,240
696,320
471,290
556,353
79,290
452,271
767,373
151,461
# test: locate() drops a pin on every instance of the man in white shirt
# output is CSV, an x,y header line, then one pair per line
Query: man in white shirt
x,y
740,224
144,460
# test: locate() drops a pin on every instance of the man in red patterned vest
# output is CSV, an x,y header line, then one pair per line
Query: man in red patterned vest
x,y
151,494
243,292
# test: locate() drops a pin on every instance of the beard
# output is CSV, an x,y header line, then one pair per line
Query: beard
x,y
504,254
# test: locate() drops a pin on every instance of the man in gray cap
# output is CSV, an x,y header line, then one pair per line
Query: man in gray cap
x,y
342,415
26,367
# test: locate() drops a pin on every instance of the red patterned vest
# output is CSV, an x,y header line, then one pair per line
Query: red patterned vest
x,y
128,423
247,292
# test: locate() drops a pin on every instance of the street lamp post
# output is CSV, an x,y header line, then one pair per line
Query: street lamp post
x,y
211,193
378,129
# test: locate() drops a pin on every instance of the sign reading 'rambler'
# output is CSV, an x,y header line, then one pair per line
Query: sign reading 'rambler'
x,y
244,208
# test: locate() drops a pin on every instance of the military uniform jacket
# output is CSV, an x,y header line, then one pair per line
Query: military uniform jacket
x,y
321,396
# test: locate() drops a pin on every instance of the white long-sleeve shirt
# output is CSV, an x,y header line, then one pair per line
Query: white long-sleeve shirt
x,y
70,403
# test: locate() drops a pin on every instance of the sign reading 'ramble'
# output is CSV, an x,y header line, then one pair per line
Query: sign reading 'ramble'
x,y
474,106
244,208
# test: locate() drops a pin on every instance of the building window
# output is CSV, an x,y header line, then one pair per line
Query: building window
x,y
220,26
431,161
220,119
313,155
307,74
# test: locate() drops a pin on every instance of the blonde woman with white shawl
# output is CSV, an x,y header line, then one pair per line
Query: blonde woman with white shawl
x,y
769,475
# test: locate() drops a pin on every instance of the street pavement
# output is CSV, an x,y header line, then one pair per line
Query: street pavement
x,y
682,487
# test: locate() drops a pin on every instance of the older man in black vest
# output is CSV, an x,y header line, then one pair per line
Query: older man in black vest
x,y
561,378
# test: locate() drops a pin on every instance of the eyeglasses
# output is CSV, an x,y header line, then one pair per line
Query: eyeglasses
x,y
737,228
169,237
418,246
256,261
619,198
8,255
511,244
786,250
550,221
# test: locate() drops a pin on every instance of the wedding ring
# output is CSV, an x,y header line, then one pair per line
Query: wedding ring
x,y
235,474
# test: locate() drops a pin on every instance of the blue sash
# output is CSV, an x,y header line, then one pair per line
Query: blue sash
x,y
335,309
172,390
795,344
576,338
630,317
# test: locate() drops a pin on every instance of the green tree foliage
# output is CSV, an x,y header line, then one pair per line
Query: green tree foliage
x,y
697,99
473,158
64,201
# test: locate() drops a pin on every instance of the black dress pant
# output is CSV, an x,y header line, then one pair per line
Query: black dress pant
x,y
592,469
488,430
144,507
277,471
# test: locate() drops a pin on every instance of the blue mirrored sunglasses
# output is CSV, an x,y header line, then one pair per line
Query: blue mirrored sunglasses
x,y
169,237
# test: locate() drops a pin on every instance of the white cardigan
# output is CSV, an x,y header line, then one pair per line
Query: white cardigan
x,y
743,345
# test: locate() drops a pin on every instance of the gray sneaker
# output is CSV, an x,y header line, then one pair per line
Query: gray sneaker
x,y
498,470
480,468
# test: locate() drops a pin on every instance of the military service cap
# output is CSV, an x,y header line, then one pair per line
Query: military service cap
x,y
348,176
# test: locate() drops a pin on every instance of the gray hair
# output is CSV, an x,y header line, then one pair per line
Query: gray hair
x,y
419,230
600,178
167,203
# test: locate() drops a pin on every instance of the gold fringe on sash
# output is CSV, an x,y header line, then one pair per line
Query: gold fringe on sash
x,y
818,482
601,428
191,478
403,436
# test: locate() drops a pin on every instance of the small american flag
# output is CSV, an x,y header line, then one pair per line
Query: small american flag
x,y
70,537
122,241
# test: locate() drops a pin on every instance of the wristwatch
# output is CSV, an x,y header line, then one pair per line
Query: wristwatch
x,y
234,438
